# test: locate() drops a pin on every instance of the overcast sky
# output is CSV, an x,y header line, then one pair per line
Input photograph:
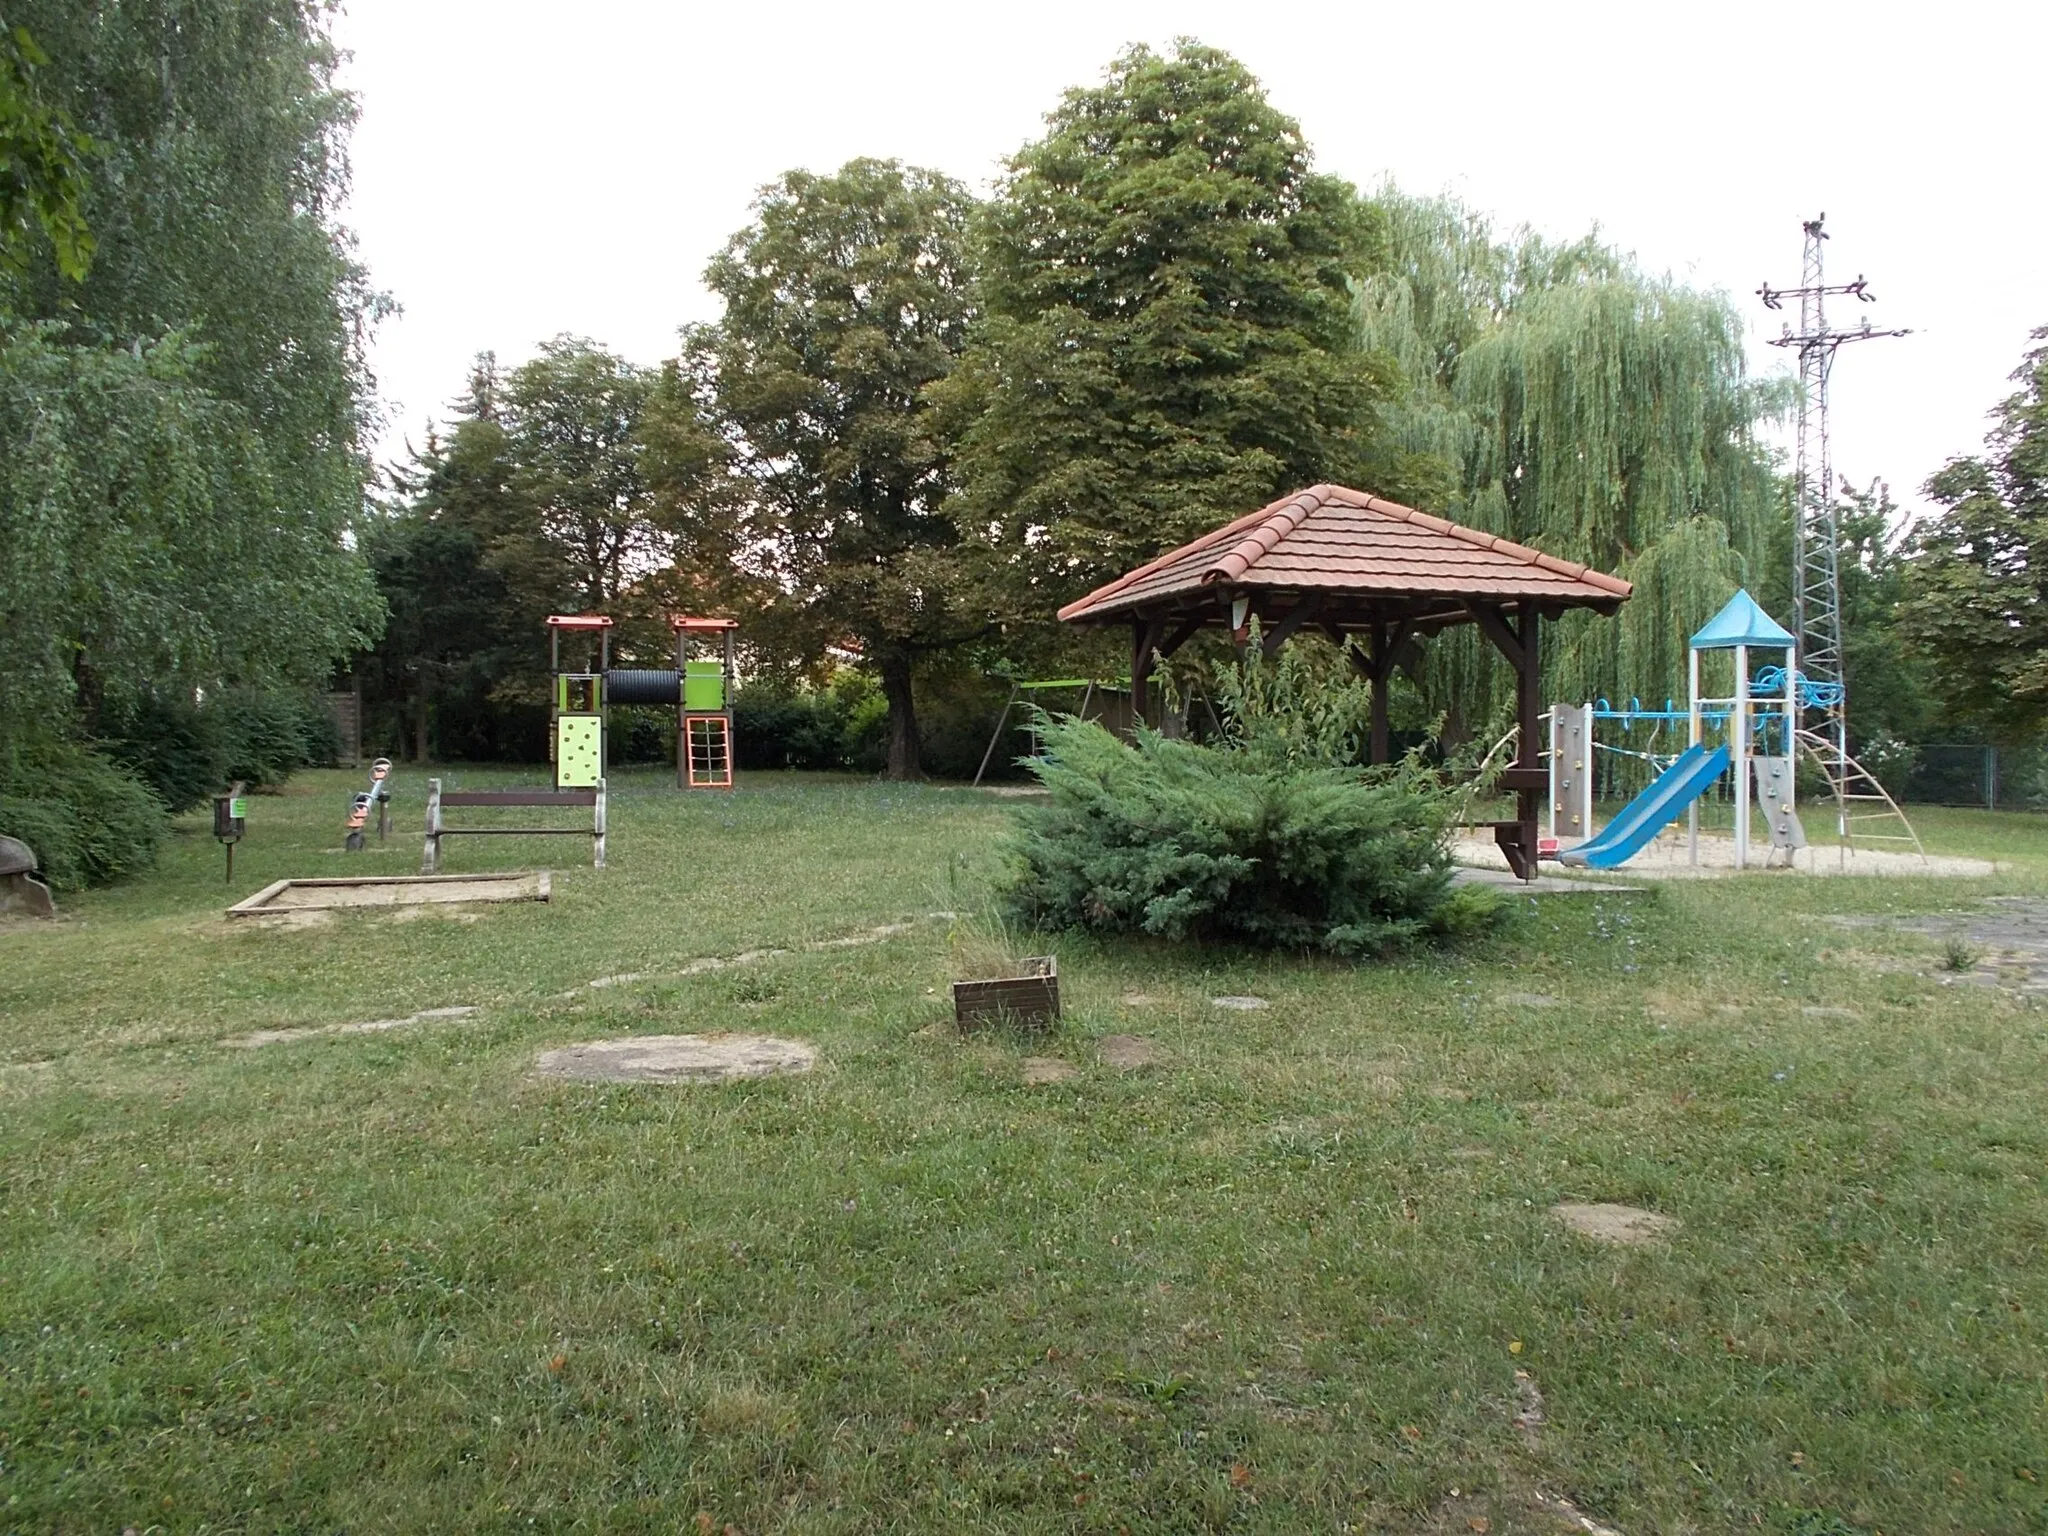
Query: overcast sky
x,y
525,169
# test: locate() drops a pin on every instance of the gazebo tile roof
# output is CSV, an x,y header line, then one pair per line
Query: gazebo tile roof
x,y
1332,538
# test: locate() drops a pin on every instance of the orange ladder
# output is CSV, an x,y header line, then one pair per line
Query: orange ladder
x,y
707,752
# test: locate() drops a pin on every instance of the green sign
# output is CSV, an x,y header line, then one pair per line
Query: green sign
x,y
238,808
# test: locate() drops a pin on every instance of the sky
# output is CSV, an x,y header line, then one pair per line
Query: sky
x,y
526,169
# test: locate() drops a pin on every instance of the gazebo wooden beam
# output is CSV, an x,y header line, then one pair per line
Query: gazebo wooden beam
x,y
1307,608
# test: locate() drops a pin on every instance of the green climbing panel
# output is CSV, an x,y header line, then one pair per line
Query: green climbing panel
x,y
703,686
579,751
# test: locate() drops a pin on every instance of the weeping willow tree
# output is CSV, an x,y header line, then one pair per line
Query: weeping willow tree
x,y
1577,405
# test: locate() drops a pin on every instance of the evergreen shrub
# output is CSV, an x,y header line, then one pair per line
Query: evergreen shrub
x,y
267,735
187,752
166,740
90,820
1274,837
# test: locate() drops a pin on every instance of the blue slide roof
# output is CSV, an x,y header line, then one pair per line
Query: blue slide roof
x,y
1742,622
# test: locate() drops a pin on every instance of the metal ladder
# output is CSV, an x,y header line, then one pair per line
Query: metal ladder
x,y
1858,786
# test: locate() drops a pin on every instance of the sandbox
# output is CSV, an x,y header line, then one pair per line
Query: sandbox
x,y
371,891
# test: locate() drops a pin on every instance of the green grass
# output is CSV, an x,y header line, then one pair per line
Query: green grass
x,y
1282,1282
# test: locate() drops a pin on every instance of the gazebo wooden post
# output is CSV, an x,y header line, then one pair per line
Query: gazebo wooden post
x,y
1529,749
1525,776
1141,670
1145,637
1382,665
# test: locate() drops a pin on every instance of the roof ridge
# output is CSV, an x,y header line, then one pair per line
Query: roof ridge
x,y
1246,542
1213,536
1262,540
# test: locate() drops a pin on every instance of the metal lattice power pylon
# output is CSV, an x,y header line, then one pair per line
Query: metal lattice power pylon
x,y
1816,543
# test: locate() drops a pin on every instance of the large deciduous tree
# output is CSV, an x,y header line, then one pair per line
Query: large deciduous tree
x,y
845,300
1166,340
180,424
1579,405
584,532
1977,602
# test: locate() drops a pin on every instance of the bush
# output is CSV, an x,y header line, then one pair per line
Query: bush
x,y
262,736
839,728
186,751
643,735
90,821
1247,844
170,743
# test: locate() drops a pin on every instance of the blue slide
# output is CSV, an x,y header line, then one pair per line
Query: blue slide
x,y
1646,815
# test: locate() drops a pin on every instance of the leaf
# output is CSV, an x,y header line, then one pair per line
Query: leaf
x,y
1240,1476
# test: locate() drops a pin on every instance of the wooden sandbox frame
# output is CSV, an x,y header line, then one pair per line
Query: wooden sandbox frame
x,y
370,892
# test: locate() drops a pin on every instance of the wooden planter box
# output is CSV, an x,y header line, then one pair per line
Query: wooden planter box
x,y
1030,998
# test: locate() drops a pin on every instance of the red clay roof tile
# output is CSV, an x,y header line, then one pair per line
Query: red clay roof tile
x,y
1329,537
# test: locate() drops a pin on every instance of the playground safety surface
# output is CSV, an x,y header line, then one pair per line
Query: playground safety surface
x,y
1668,858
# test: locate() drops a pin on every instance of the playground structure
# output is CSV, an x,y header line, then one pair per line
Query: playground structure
x,y
579,728
1761,742
699,690
377,797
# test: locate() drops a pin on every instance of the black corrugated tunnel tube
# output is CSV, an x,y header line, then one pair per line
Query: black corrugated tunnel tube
x,y
638,685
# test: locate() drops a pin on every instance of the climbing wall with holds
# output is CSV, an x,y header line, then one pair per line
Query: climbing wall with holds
x,y
579,751
1571,773
1774,799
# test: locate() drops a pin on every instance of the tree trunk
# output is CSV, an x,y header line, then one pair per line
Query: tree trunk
x,y
420,722
903,753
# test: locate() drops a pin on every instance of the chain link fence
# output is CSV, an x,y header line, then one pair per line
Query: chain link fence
x,y
1955,773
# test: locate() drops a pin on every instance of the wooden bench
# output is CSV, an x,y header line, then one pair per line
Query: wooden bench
x,y
437,828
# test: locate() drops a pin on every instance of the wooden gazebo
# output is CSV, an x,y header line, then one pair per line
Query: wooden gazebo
x,y
1351,564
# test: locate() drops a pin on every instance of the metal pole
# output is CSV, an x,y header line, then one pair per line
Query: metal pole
x,y
1816,565
1738,736
1000,723
1692,739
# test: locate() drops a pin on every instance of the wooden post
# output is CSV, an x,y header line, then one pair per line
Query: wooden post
x,y
1144,637
1529,715
1382,667
1527,776
597,841
430,863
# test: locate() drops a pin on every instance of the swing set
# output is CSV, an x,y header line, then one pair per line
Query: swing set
x,y
1089,687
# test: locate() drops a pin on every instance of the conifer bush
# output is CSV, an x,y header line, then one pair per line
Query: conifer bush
x,y
90,821
1273,837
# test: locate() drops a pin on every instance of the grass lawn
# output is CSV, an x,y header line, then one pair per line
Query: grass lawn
x,y
1283,1281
